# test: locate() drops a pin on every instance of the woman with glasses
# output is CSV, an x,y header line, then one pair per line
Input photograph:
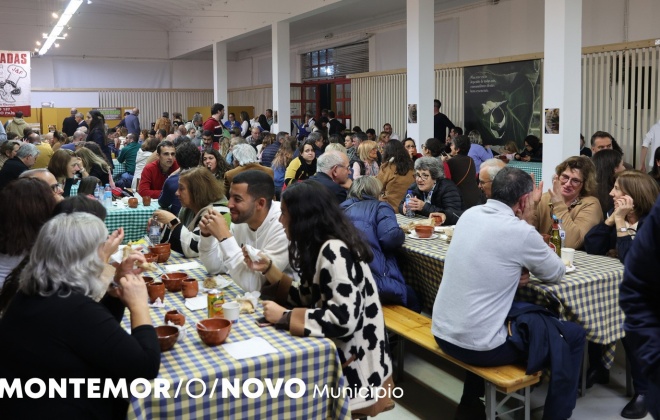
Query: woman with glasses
x,y
411,148
65,166
571,199
432,193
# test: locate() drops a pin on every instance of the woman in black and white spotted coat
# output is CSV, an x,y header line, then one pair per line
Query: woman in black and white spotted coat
x,y
336,297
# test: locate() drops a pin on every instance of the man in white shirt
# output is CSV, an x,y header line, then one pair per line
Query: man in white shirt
x,y
255,222
387,127
651,142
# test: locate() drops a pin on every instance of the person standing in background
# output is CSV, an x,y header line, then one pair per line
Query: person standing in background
x,y
440,122
69,124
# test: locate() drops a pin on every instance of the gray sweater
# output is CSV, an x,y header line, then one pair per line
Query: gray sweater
x,y
482,269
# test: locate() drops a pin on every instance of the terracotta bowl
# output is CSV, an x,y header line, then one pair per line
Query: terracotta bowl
x,y
151,257
147,279
437,220
167,336
424,231
175,317
174,281
216,332
162,250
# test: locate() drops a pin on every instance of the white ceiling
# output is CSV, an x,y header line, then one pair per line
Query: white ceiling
x,y
189,27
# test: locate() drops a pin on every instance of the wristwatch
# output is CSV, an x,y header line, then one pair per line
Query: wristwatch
x,y
622,229
174,222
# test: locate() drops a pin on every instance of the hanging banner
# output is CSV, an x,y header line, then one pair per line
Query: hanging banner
x,y
503,101
111,113
15,83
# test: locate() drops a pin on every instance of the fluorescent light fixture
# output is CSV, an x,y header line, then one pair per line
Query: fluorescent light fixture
x,y
59,27
55,15
38,43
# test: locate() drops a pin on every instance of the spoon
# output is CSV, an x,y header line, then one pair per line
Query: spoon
x,y
202,326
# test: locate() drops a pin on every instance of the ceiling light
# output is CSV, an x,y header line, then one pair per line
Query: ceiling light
x,y
65,35
89,1
45,35
57,45
55,15
38,43
68,13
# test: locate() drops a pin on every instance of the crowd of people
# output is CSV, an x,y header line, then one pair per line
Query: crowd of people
x,y
321,209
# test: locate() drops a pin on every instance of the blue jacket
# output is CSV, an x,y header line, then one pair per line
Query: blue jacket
x,y
376,219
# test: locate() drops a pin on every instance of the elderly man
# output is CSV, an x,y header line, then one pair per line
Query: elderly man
x,y
333,171
127,156
357,137
69,124
80,120
600,140
155,173
255,221
133,123
489,168
245,159
255,136
46,176
14,167
475,300
78,140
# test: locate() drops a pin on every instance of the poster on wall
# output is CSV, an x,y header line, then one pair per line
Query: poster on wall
x,y
15,84
503,101
111,113
552,121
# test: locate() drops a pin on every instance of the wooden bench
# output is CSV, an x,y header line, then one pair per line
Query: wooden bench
x,y
507,380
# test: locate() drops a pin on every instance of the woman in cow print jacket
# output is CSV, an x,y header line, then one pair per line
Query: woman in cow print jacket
x,y
336,296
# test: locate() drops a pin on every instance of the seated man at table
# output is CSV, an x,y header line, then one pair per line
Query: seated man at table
x,y
155,173
255,221
333,171
477,290
187,156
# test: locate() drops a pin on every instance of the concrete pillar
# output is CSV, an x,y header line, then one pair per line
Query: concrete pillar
x,y
420,79
562,85
220,94
281,76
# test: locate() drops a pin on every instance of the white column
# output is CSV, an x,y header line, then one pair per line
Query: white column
x,y
220,74
281,76
420,33
562,85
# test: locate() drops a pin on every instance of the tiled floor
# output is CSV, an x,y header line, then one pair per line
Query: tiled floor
x,y
432,388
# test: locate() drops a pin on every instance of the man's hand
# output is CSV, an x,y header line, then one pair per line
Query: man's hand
x,y
216,225
524,278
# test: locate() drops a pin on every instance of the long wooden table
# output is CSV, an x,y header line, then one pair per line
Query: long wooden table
x,y
312,360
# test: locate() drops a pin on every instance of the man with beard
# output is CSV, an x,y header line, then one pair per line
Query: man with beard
x,y
255,221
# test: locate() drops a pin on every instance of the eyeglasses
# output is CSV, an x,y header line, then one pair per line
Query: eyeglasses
x,y
574,181
482,182
56,187
423,177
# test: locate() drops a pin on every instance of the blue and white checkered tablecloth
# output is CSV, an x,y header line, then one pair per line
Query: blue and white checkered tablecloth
x,y
119,168
312,360
588,296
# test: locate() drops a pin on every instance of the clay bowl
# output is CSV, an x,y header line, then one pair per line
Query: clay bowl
x,y
190,288
174,281
437,220
424,231
151,257
175,317
167,336
214,330
147,279
156,291
162,250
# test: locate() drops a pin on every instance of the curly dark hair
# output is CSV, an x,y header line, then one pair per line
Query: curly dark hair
x,y
221,163
312,222
397,153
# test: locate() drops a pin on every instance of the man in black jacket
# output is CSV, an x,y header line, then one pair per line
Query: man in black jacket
x,y
24,160
69,124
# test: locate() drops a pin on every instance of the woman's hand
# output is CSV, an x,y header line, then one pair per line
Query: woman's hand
x,y
516,156
261,265
132,291
272,311
622,207
128,265
526,158
555,191
416,204
164,216
111,245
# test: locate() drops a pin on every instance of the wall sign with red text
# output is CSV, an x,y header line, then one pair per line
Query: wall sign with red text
x,y
15,83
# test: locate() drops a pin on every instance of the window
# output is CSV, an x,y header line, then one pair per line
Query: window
x,y
338,61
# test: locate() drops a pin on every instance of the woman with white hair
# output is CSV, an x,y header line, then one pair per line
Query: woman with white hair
x,y
56,328
377,221
433,193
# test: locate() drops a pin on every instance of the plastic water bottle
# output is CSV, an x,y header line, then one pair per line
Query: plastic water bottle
x,y
97,193
409,212
107,197
154,231
562,233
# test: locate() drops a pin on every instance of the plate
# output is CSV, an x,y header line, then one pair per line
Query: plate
x,y
413,235
220,281
570,269
441,229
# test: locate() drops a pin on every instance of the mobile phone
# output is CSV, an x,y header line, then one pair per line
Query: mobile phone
x,y
263,322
